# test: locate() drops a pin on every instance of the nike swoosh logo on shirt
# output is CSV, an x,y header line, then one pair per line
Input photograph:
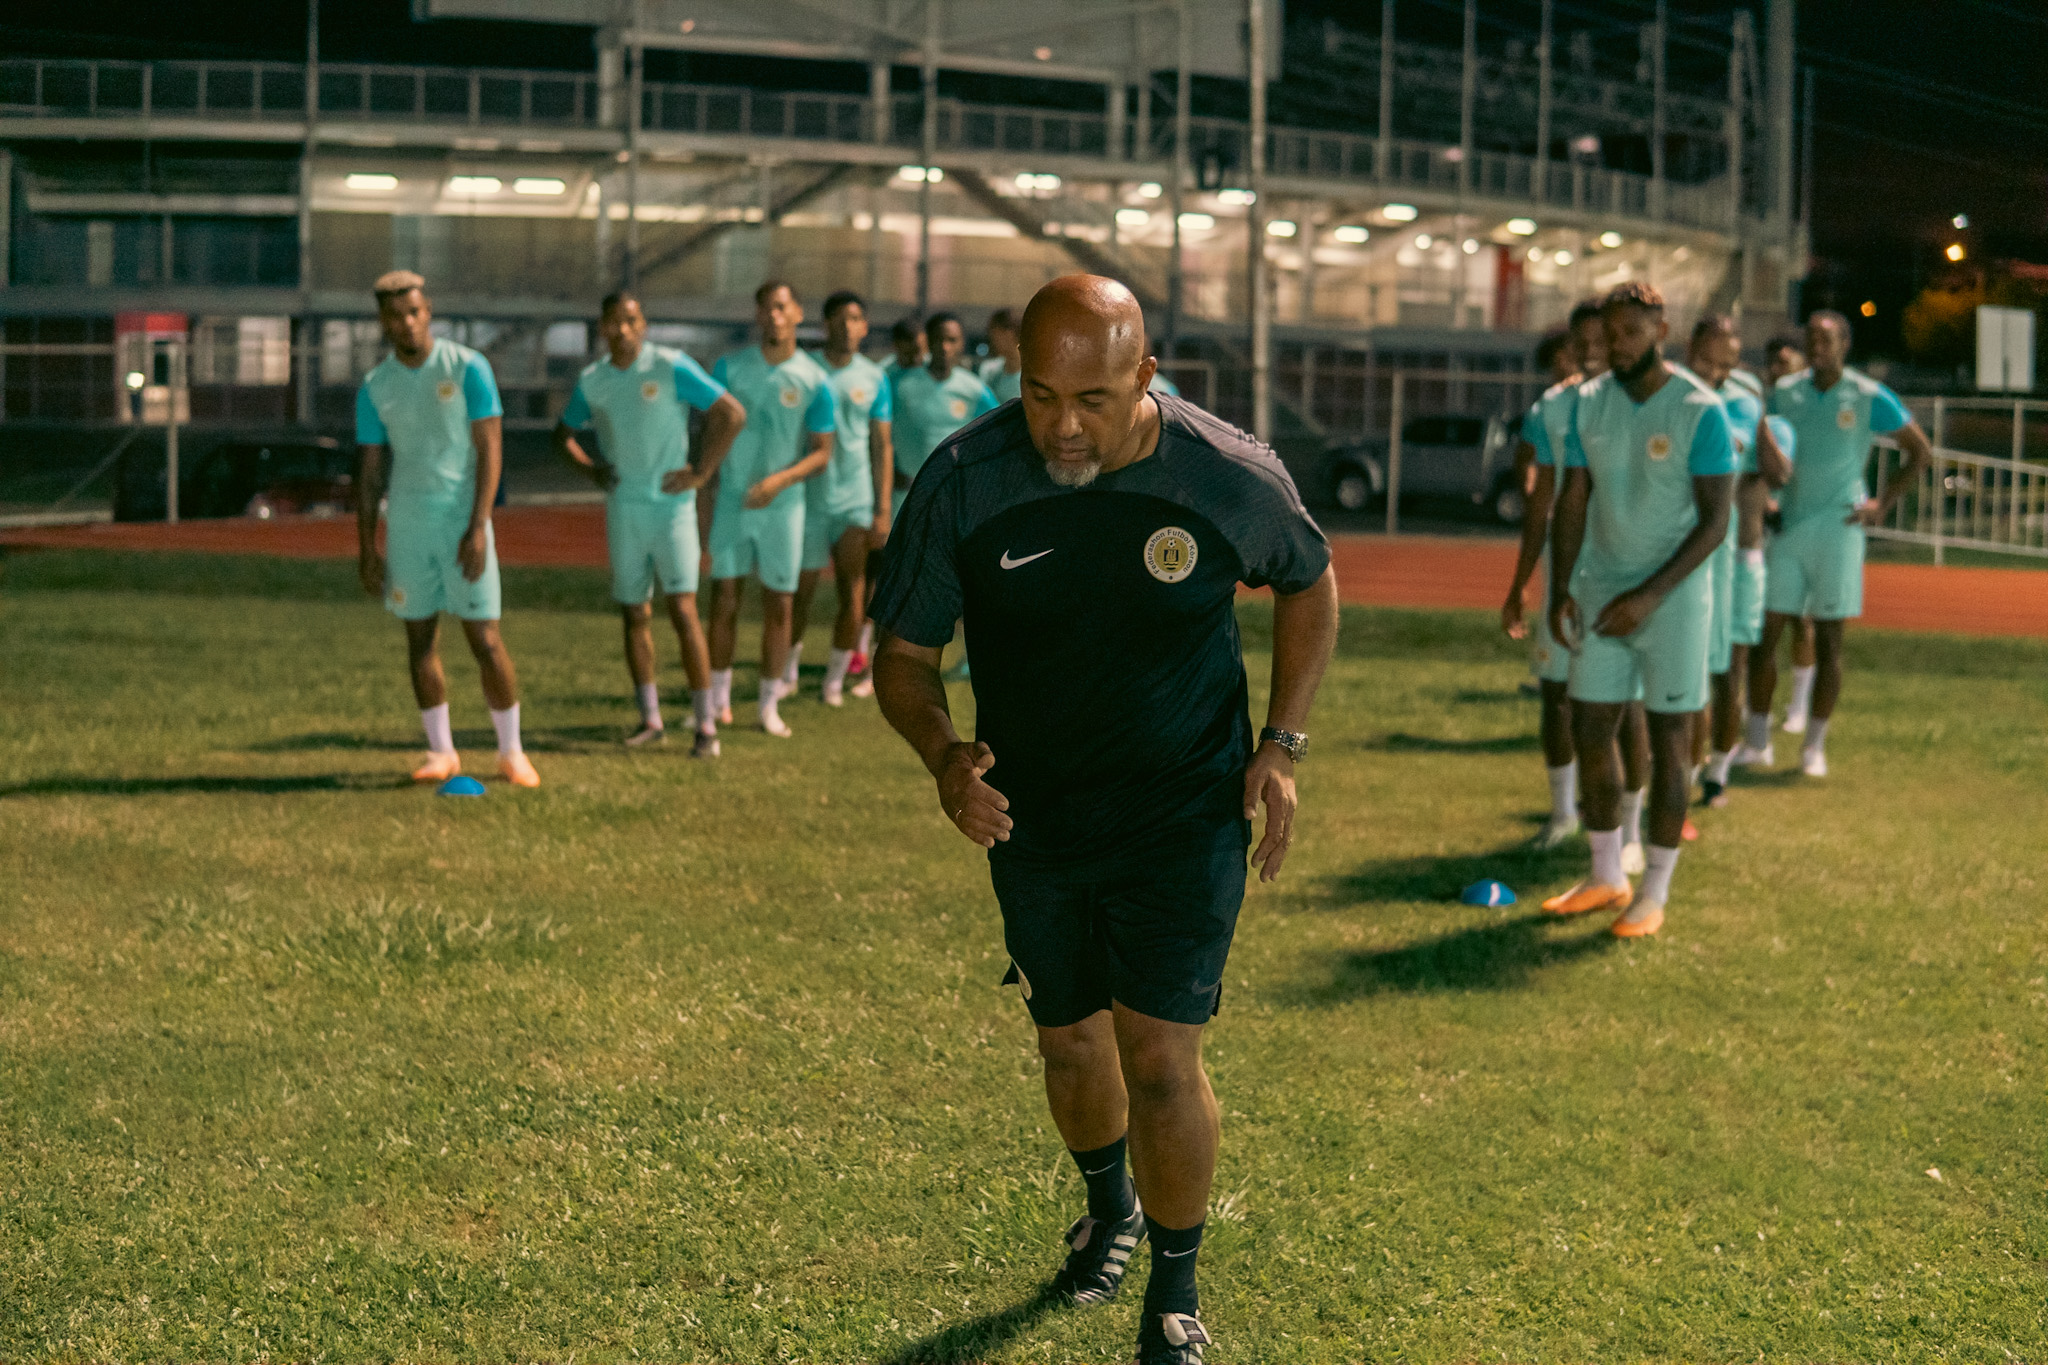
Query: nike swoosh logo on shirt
x,y
1010,563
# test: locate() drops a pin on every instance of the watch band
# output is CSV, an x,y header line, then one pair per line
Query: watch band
x,y
1293,741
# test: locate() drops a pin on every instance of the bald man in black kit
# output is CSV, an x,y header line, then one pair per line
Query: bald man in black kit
x,y
1093,537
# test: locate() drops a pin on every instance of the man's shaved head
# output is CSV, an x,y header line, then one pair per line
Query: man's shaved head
x,y
1085,375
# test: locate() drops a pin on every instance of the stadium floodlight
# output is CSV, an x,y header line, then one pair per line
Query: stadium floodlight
x,y
1281,227
1961,221
1400,213
919,175
1196,222
370,182
1535,253
1522,227
1563,258
1471,247
1955,251
1132,217
538,184
1352,235
1236,199
1151,189
1610,239
1423,241
474,184
1043,54
1029,181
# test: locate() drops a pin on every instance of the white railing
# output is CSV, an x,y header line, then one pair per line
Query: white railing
x,y
1975,502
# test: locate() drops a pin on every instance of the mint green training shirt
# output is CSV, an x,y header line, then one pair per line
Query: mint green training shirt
x,y
1643,458
783,403
642,417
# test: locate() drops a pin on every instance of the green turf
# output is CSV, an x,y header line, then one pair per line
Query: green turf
x,y
708,1062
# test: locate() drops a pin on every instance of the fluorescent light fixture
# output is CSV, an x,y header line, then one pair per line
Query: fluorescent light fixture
x,y
1236,199
1029,181
1281,227
1132,217
1044,54
1352,235
1522,227
1535,253
918,175
1423,241
136,379
1610,239
474,184
538,184
1563,258
371,183
1196,222
1589,145
1400,213
1471,247
1151,189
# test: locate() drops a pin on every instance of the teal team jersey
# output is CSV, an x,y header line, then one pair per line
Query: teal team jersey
x,y
1548,425
783,403
1161,384
1003,385
641,416
1834,431
1745,410
424,415
1787,439
861,394
929,410
1643,458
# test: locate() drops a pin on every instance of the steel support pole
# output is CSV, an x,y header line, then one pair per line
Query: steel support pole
x,y
637,55
1544,96
1255,229
1657,110
304,359
1183,82
1468,97
1394,421
1384,150
929,143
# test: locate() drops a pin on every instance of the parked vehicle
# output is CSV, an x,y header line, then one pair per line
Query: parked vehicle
x,y
296,475
1442,456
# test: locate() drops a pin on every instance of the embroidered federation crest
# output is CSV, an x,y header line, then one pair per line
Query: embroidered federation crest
x,y
1660,447
398,597
1845,418
1170,554
860,396
445,390
958,407
790,398
650,391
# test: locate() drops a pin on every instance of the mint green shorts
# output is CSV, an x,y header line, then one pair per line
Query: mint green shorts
x,y
1721,635
766,543
1746,613
823,529
422,572
1664,664
1815,568
1550,661
652,543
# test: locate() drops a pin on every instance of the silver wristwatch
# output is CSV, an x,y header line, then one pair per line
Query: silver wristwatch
x,y
1295,743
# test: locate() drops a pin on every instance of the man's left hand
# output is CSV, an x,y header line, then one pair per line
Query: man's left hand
x,y
470,553
1626,614
1269,778
763,493
684,480
1869,512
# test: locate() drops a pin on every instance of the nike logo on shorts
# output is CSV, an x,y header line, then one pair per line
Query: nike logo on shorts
x,y
1010,563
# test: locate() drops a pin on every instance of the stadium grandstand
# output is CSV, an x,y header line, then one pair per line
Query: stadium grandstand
x,y
1421,206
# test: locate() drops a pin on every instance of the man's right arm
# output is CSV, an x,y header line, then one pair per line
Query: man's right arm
x,y
882,459
370,493
1535,528
912,695
1567,535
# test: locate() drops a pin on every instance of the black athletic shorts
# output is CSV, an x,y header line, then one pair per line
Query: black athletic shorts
x,y
1151,931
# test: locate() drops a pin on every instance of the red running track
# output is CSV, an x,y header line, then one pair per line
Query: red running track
x,y
1408,571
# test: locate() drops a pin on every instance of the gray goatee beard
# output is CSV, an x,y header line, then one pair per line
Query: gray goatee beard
x,y
1068,474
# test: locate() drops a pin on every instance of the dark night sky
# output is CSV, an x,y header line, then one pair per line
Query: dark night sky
x,y
1924,110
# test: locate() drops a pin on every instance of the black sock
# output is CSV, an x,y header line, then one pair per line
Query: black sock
x,y
1110,1196
1174,1253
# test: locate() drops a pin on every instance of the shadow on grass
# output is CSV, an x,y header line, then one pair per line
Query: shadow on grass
x,y
978,1338
334,739
144,786
1442,878
1430,744
1486,697
1490,957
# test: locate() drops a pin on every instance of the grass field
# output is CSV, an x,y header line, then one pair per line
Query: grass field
x,y
708,1062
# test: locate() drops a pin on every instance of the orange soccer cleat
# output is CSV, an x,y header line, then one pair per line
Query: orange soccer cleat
x,y
1641,922
518,770
1590,895
438,767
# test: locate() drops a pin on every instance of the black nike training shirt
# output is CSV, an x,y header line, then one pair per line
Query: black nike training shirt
x,y
1108,676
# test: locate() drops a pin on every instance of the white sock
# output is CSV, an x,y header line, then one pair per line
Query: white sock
x,y
1564,793
1802,689
835,668
1718,766
440,738
1816,735
771,692
1632,815
796,657
506,723
650,704
1606,857
703,712
1754,558
1661,863
1759,736
721,690
867,638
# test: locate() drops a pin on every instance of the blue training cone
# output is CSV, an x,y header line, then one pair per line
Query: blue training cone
x,y
460,786
1487,892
